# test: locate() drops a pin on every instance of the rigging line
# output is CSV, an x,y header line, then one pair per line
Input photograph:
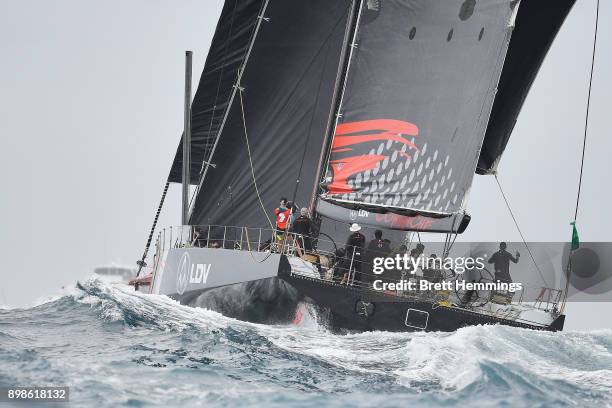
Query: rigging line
x,y
193,195
246,137
141,263
584,140
519,230
586,122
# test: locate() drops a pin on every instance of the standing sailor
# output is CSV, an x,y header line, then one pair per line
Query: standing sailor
x,y
302,228
501,262
282,218
377,248
354,250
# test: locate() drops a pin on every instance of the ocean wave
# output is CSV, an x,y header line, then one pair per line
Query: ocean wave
x,y
106,339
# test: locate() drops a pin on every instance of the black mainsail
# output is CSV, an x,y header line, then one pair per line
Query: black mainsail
x,y
416,105
284,93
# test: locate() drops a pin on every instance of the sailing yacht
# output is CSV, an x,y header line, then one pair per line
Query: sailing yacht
x,y
371,112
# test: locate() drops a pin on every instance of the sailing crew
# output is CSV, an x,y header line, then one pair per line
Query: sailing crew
x,y
418,250
501,262
199,240
377,248
341,266
414,254
354,250
431,272
398,274
283,215
302,228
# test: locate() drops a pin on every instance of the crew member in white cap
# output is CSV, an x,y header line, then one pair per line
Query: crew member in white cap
x,y
354,250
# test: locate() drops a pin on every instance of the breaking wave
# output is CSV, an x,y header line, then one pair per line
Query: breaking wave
x,y
112,345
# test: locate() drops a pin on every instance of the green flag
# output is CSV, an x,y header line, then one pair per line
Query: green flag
x,y
575,239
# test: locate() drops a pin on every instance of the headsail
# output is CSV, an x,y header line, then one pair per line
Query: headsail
x,y
416,105
537,24
287,84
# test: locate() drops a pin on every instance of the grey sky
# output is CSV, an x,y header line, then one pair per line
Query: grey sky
x,y
91,112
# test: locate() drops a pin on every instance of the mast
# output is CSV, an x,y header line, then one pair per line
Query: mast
x,y
187,138
349,35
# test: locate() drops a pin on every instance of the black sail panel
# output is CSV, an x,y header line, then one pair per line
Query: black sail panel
x,y
419,90
288,85
225,56
537,24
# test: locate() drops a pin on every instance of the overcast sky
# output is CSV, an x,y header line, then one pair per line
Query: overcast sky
x,y
91,113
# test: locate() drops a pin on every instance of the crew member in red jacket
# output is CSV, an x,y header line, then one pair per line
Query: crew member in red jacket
x,y
283,216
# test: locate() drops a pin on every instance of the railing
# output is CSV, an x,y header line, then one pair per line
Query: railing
x,y
228,237
350,268
548,299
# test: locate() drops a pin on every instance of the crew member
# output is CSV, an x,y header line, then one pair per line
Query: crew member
x,y
199,240
341,266
283,214
431,272
354,250
302,228
414,254
377,248
501,262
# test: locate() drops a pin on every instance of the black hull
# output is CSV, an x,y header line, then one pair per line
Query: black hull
x,y
265,301
344,308
356,309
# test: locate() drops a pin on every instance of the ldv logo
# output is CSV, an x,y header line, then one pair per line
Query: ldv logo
x,y
199,273
190,273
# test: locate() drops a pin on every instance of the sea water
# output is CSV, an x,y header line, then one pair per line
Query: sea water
x,y
114,347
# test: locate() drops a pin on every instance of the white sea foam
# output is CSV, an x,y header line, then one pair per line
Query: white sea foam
x,y
449,361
